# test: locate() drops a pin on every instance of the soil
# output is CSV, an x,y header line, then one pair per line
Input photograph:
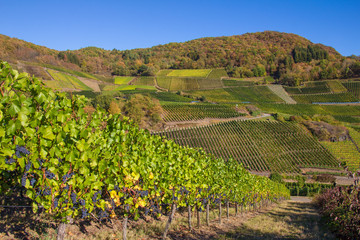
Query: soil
x,y
208,121
292,219
93,84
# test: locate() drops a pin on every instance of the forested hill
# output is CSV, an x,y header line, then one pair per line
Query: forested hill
x,y
284,56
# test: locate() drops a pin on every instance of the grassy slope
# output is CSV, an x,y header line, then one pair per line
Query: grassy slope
x,y
293,219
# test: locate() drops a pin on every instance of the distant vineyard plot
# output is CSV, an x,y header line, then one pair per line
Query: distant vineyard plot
x,y
187,83
190,79
189,112
170,97
190,73
145,81
345,152
325,98
239,94
354,88
307,109
258,145
254,94
65,81
336,86
122,80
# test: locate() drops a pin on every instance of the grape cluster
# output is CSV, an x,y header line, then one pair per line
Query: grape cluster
x,y
28,166
23,180
103,215
49,175
73,198
67,177
32,181
144,193
94,197
82,202
41,161
20,150
56,202
47,191
84,213
10,161
183,190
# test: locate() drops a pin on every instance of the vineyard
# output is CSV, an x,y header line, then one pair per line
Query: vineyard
x,y
311,109
144,81
258,145
331,86
102,167
254,94
217,74
239,94
353,88
280,91
187,83
203,73
336,86
122,80
169,97
189,112
62,80
346,152
237,83
325,98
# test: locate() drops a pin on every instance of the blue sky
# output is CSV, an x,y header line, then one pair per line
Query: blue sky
x,y
123,25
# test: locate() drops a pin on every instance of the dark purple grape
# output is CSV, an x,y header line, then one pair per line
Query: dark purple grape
x,y
56,202
10,161
82,202
49,175
84,213
28,166
73,197
23,180
47,191
32,181
103,215
94,197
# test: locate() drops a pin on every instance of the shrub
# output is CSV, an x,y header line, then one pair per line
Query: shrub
x,y
276,177
341,207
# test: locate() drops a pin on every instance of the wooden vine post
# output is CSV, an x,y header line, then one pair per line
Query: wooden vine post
x,y
171,216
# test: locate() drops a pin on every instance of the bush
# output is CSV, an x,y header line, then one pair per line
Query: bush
x,y
341,207
276,177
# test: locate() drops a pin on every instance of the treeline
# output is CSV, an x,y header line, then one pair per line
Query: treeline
x,y
289,58
301,54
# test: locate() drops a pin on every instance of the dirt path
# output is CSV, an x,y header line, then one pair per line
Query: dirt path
x,y
293,219
207,121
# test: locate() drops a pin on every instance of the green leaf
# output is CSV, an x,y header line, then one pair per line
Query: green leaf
x,y
40,98
71,156
80,145
11,128
48,134
2,132
23,119
35,207
13,109
7,152
61,118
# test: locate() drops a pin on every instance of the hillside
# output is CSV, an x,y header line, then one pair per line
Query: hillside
x,y
284,56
